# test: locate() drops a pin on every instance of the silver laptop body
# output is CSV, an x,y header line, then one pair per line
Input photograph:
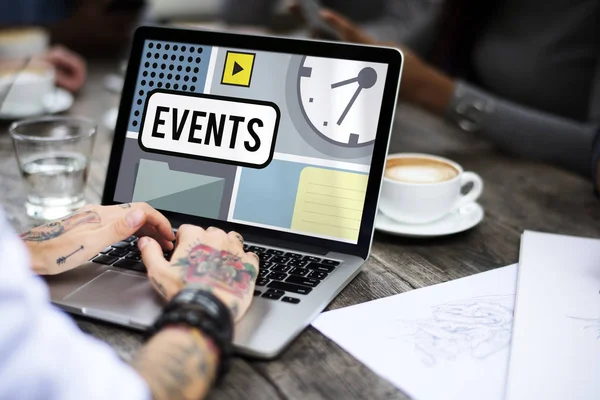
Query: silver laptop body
x,y
323,265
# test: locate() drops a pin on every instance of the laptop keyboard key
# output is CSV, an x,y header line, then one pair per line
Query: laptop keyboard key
x,y
292,300
311,258
297,263
257,249
330,262
277,276
275,252
280,260
264,256
257,293
119,252
121,245
277,291
130,239
263,273
320,267
272,296
262,282
299,271
130,264
293,255
106,250
303,281
106,260
289,287
281,268
134,257
318,275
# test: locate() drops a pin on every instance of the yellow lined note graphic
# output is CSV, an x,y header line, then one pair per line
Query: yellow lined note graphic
x,y
330,203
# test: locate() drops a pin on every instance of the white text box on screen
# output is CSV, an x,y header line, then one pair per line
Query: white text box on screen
x,y
208,127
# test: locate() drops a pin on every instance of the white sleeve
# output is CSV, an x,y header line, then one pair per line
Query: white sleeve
x,y
43,354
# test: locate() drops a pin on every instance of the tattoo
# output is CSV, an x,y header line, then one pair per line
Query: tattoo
x,y
125,205
207,266
160,287
57,228
63,259
178,367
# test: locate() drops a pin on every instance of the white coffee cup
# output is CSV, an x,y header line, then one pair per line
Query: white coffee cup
x,y
421,188
20,43
25,90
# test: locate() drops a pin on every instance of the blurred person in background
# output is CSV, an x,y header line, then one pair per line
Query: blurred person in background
x,y
89,27
406,21
525,76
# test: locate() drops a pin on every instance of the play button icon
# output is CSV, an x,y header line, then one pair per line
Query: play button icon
x,y
237,68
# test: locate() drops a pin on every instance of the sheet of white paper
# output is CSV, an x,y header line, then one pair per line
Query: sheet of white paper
x,y
446,341
556,336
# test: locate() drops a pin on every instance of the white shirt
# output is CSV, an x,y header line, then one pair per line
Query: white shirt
x,y
43,354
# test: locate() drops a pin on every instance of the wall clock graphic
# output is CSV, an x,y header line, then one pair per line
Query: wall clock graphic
x,y
341,99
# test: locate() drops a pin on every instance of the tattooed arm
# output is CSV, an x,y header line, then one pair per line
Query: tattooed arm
x,y
68,242
179,362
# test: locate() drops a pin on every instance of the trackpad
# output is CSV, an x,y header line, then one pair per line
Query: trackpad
x,y
118,297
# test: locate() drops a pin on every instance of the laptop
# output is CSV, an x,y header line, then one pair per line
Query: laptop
x,y
281,140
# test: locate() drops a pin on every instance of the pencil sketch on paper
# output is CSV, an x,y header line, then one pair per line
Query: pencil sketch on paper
x,y
476,327
590,323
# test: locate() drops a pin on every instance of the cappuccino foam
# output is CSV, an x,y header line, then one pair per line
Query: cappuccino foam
x,y
419,170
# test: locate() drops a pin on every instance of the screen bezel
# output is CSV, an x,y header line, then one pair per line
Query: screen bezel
x,y
391,57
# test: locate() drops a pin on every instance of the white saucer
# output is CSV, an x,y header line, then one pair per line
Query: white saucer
x,y
458,221
110,119
57,101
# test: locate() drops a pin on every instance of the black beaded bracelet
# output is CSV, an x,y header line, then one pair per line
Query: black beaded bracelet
x,y
204,311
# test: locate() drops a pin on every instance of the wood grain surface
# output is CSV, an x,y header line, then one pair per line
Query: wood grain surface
x,y
519,194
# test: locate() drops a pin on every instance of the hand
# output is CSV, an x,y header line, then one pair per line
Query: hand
x,y
208,259
421,84
66,243
70,67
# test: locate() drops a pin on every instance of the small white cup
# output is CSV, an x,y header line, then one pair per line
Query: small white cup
x,y
424,202
19,43
25,90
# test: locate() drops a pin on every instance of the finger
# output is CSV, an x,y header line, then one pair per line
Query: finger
x,y
212,229
253,259
236,238
163,232
152,254
164,278
186,231
70,68
151,231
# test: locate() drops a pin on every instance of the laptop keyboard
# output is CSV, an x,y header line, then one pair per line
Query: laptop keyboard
x,y
283,276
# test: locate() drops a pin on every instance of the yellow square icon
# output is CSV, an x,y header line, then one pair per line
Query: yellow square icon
x,y
238,69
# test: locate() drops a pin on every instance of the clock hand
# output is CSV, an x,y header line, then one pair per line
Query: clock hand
x,y
349,106
343,83
366,78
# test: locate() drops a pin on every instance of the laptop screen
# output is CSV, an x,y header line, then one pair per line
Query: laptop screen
x,y
272,140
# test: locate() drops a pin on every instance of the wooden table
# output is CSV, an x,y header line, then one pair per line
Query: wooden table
x,y
518,195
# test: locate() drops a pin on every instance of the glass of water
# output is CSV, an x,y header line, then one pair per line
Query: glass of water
x,y
54,156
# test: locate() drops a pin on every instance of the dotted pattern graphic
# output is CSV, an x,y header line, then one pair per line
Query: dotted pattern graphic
x,y
168,65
